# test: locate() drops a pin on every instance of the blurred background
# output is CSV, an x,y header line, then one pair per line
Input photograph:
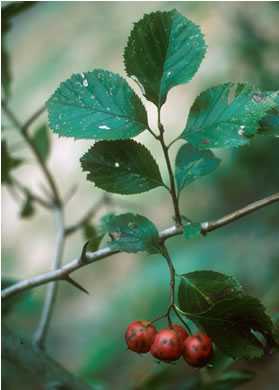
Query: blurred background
x,y
47,43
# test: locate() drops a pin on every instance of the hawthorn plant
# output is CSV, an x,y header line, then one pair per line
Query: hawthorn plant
x,y
164,50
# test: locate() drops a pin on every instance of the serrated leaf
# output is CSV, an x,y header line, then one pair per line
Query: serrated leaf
x,y
269,125
230,380
122,167
8,163
192,163
164,49
42,142
232,323
27,209
199,290
10,304
96,105
214,123
133,233
191,230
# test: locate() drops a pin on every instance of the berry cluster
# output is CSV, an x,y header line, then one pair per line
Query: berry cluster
x,y
169,344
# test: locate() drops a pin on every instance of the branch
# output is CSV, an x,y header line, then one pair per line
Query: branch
x,y
37,363
106,252
23,130
213,225
41,333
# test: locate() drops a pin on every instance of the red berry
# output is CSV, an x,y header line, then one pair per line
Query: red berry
x,y
167,345
139,336
197,350
179,330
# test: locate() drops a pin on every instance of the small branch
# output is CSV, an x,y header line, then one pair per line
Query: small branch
x,y
86,218
33,117
213,225
106,252
171,176
41,333
48,373
23,130
165,254
35,197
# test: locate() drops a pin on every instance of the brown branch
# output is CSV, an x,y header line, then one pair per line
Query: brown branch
x,y
37,363
106,252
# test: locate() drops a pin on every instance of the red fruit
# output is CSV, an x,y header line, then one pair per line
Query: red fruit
x,y
179,330
140,335
197,350
167,345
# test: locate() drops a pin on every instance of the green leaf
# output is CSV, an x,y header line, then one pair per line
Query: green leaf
x,y
94,237
28,207
192,163
269,125
164,50
42,142
232,323
214,123
230,380
199,290
96,105
122,167
133,233
8,163
191,230
10,304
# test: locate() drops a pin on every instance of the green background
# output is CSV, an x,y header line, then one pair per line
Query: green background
x,y
47,44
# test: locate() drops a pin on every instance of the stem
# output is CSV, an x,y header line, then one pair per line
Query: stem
x,y
171,176
38,364
41,333
101,254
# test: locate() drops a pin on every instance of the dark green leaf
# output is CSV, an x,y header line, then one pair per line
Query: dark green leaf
x,y
232,323
214,123
8,163
96,105
122,167
42,142
229,380
191,230
199,290
28,207
10,304
93,236
269,125
133,233
164,50
192,163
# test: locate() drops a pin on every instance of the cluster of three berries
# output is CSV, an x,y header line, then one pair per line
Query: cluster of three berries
x,y
169,344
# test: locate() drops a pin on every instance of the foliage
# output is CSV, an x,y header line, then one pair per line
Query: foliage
x,y
164,50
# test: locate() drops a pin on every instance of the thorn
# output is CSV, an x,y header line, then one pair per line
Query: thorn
x,y
75,284
83,259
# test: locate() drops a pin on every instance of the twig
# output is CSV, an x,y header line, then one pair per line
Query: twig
x,y
86,218
171,176
33,117
213,225
38,364
35,197
106,252
23,130
41,333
